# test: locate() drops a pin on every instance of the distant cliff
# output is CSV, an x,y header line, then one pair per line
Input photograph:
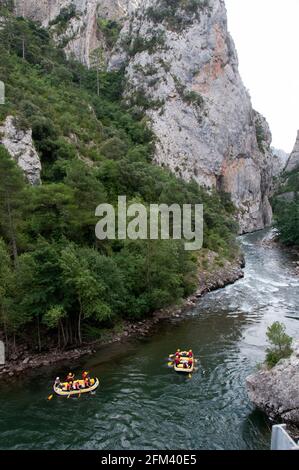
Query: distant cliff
x,y
182,69
293,162
280,160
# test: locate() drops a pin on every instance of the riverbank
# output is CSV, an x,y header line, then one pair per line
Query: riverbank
x,y
211,278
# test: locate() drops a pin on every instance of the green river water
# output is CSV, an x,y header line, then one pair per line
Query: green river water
x,y
141,404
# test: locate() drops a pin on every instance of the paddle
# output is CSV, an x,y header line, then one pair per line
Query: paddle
x,y
50,397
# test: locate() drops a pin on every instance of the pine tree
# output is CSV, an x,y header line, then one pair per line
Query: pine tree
x,y
11,198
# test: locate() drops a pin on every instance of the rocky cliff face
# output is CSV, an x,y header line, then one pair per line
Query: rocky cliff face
x,y
275,391
181,65
19,144
280,159
182,68
75,23
293,162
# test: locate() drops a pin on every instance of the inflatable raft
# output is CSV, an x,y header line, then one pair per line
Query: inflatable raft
x,y
62,390
184,367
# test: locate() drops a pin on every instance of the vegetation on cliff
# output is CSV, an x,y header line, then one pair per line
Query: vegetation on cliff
x,y
54,275
286,208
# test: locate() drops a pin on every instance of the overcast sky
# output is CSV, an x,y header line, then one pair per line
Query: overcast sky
x,y
266,34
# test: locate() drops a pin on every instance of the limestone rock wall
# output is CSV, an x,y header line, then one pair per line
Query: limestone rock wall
x,y
20,146
187,70
182,67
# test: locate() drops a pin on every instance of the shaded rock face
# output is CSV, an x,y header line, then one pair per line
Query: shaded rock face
x,y
20,146
185,72
293,162
275,391
280,160
182,67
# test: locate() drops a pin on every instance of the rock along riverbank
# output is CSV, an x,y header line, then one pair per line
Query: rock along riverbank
x,y
208,281
275,391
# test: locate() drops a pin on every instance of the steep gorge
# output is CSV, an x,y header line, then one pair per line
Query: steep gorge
x,y
181,67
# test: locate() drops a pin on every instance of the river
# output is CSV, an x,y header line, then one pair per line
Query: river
x,y
142,404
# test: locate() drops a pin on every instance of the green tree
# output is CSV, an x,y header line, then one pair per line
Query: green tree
x,y
38,284
83,287
88,194
280,344
287,220
53,319
6,282
11,200
50,211
97,62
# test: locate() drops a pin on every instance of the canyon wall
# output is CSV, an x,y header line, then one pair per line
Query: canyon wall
x,y
181,68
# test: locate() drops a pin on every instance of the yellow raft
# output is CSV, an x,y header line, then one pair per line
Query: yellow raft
x,y
181,368
64,392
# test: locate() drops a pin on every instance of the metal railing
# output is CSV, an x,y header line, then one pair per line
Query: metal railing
x,y
281,440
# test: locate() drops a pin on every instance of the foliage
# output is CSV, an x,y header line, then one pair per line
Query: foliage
x,y
177,14
280,344
110,29
287,220
260,136
62,20
151,45
286,208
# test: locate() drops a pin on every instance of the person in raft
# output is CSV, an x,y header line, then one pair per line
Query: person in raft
x,y
87,382
57,382
190,362
178,353
85,375
177,361
76,385
190,353
70,378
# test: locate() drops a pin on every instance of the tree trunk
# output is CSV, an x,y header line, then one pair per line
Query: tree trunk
x,y
98,83
63,333
12,232
58,338
5,333
71,332
79,322
38,335
6,340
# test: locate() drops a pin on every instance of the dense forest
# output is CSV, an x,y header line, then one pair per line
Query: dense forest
x,y
286,208
55,276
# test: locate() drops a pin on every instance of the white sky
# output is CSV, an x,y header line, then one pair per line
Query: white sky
x,y
266,34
